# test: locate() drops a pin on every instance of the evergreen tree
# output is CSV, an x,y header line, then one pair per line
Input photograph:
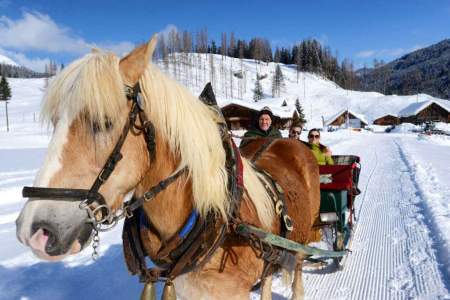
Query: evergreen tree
x,y
258,91
277,82
5,95
301,114
5,91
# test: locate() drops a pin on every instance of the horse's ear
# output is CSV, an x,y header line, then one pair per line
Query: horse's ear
x,y
133,65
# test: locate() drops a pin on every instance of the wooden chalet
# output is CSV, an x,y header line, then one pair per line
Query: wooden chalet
x,y
426,111
389,119
242,115
347,118
238,116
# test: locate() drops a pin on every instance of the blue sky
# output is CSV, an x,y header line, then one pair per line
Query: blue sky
x,y
33,31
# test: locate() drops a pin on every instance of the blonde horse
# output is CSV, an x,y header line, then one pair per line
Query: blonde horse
x,y
88,108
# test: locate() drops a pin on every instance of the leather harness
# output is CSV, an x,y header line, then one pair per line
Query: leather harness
x,y
197,240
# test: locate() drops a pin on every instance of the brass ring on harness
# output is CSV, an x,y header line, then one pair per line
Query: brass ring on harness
x,y
278,207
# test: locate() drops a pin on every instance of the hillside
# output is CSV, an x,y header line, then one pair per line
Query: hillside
x,y
319,97
400,243
10,68
426,71
7,61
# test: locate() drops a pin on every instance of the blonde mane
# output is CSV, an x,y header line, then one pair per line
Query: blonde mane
x,y
92,87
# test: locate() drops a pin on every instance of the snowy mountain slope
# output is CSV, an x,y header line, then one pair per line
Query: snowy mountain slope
x,y
7,61
319,97
399,251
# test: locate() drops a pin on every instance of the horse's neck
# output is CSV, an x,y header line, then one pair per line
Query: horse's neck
x,y
169,210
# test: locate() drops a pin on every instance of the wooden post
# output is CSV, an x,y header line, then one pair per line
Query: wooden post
x,y
7,120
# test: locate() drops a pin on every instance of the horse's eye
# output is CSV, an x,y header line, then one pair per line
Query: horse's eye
x,y
96,128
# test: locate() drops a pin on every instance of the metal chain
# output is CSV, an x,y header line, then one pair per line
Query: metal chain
x,y
95,245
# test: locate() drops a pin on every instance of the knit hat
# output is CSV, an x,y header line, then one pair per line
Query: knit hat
x,y
265,111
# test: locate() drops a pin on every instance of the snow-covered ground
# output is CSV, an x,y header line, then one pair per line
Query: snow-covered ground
x,y
399,250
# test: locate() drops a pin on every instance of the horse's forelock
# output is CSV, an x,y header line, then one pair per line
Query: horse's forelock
x,y
90,88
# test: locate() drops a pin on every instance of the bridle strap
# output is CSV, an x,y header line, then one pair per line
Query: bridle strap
x,y
115,155
60,194
135,203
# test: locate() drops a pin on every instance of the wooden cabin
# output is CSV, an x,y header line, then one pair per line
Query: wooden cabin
x,y
347,118
387,120
239,117
427,111
242,116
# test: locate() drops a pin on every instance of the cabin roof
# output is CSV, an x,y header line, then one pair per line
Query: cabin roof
x,y
275,104
415,108
334,117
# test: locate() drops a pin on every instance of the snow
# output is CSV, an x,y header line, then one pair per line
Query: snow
x,y
274,104
320,98
7,61
415,108
333,118
400,245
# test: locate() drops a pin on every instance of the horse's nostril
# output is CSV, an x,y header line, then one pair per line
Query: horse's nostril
x,y
47,237
51,239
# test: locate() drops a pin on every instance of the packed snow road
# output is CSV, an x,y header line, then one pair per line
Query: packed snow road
x,y
399,250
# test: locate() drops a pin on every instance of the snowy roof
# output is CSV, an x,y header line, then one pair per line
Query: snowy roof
x,y
385,115
415,108
273,103
334,117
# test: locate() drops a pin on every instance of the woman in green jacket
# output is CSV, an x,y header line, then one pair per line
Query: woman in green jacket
x,y
321,152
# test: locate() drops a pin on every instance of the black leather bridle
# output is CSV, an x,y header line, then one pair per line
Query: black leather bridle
x,y
90,199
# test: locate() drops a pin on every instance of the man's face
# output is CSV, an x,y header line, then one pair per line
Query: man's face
x,y
294,132
264,122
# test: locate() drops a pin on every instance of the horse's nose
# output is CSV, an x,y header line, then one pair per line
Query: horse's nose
x,y
44,238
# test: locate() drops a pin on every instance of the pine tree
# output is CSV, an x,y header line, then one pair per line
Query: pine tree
x,y
5,95
5,91
301,114
257,92
277,82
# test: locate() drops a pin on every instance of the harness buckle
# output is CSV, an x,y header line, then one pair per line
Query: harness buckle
x,y
288,222
278,207
100,176
127,212
149,196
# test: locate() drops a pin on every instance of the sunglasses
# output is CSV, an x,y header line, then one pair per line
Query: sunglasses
x,y
315,136
295,132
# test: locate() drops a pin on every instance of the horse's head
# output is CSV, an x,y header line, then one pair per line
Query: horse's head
x,y
88,107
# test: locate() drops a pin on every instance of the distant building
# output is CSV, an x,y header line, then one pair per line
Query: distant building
x,y
426,111
242,114
389,119
347,119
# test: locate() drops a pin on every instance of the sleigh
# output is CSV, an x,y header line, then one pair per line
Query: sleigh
x,y
338,190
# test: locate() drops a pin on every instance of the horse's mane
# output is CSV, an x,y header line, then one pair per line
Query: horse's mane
x,y
92,87
191,132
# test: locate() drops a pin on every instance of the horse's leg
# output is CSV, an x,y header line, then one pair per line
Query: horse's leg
x,y
266,288
297,285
